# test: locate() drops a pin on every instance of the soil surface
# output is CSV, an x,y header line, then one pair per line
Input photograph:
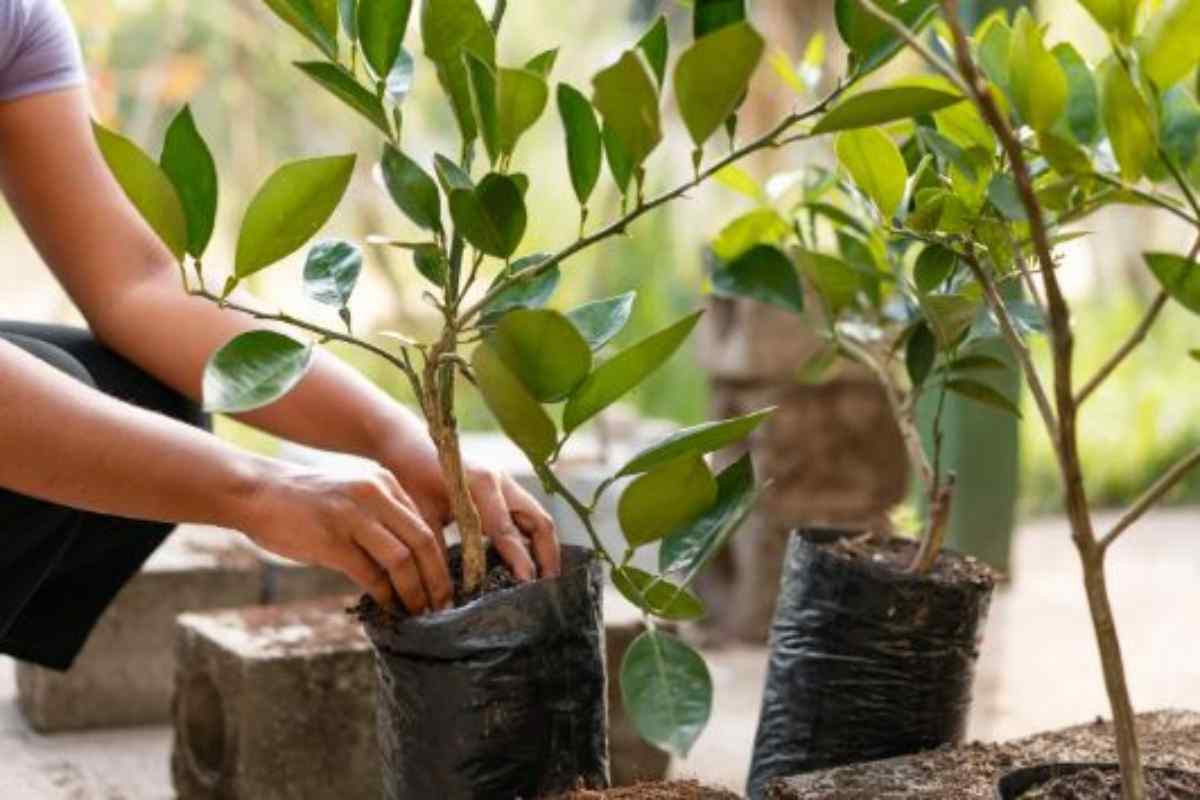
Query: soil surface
x,y
1094,784
498,578
1169,739
895,555
670,790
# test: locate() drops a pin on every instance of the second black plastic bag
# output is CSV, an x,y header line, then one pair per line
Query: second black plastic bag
x,y
502,698
866,662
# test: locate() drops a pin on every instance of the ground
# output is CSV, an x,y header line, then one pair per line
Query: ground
x,y
1038,670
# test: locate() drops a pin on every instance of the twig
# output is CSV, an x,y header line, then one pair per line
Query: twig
x,y
1151,496
939,64
1135,339
498,15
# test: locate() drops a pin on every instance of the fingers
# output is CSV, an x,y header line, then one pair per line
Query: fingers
x,y
396,560
358,567
499,526
391,507
536,524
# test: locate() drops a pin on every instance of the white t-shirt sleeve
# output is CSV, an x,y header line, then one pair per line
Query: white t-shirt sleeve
x,y
39,51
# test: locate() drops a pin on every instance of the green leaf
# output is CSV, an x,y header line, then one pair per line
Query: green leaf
x,y
533,292
995,50
543,63
739,180
1118,17
668,496
411,189
485,103
1179,276
688,549
666,690
1181,127
449,28
543,350
949,153
293,204
611,380
762,273
920,352
602,320
147,186
189,164
1082,119
1066,157
627,99
431,262
1037,82
713,15
381,28
254,370
761,226
837,283
933,267
882,106
521,98
876,165
963,125
870,39
657,596
316,20
620,164
982,393
949,316
1130,120
1169,46
348,11
451,176
492,217
712,76
1004,195
699,440
331,272
585,144
520,416
342,85
656,46
978,362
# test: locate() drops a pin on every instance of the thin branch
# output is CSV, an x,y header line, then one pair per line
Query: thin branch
x,y
1152,496
498,15
1150,198
939,64
1181,181
621,225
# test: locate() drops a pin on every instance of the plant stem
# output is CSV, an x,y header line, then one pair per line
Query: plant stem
x,y
934,539
1135,339
1152,496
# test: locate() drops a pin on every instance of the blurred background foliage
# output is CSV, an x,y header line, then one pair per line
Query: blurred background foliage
x,y
231,60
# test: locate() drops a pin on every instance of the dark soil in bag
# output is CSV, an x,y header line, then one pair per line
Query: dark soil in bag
x,y
501,698
654,790
1093,782
866,661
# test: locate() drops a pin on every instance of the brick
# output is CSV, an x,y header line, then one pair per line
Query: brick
x,y
125,674
275,702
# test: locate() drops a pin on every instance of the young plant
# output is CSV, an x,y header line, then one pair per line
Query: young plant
x,y
471,215
980,172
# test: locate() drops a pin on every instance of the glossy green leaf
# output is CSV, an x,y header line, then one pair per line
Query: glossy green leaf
x,y
449,28
870,39
712,76
431,262
1004,195
602,320
254,370
709,16
1066,157
1118,17
451,176
835,281
484,103
700,439
876,165
656,47
668,496
657,596
1082,120
520,416
994,45
1036,80
739,180
1178,276
627,99
920,353
381,28
1130,120
533,292
148,188
1181,127
189,164
620,164
411,189
933,267
963,126
761,226
492,217
984,394
614,378
666,690
689,548
521,98
949,316
762,273
585,144
342,85
977,362
331,272
293,204
882,106
1170,44
543,63
543,349
348,11
316,20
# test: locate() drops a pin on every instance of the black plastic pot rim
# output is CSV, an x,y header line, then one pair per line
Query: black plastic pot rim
x,y
881,572
1013,784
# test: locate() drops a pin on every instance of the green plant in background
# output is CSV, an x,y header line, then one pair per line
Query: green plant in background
x,y
524,359
954,184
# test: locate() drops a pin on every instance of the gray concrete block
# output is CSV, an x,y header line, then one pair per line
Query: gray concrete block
x,y
275,702
125,674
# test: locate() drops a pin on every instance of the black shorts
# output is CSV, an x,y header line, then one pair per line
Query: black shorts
x,y
61,567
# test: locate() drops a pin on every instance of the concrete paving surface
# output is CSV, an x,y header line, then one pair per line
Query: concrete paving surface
x,y
1038,670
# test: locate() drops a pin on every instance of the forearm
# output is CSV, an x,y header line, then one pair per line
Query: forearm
x,y
67,443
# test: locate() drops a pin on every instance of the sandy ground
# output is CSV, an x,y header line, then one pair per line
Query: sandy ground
x,y
1038,670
